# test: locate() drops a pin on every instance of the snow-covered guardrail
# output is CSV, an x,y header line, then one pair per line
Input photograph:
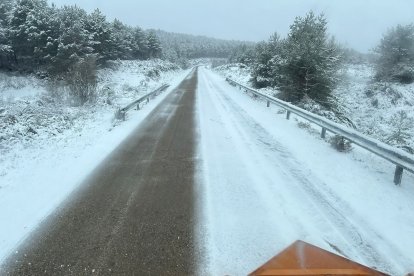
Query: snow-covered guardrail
x,y
120,114
402,159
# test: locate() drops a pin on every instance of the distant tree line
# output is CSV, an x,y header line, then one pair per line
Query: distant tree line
x,y
181,47
37,36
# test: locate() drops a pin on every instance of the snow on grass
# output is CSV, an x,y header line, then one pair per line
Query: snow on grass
x,y
267,182
130,79
236,71
39,170
373,107
15,87
242,74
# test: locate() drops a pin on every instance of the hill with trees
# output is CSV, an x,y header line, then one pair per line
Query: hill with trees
x,y
181,47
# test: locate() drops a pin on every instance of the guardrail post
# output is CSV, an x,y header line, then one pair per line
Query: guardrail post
x,y
137,106
287,114
268,103
148,100
323,133
398,175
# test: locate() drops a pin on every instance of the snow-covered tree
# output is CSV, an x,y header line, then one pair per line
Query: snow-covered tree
x,y
310,60
5,9
140,47
123,39
396,55
100,36
304,64
25,20
43,34
6,51
242,54
267,62
154,45
402,129
74,40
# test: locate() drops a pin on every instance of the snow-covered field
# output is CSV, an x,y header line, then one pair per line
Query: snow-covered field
x,y
266,183
48,147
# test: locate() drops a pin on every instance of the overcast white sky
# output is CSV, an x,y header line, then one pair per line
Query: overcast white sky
x,y
356,23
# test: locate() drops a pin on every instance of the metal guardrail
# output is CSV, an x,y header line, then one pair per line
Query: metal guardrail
x,y
403,160
120,114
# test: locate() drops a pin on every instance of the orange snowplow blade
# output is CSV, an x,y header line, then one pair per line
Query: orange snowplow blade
x,y
302,258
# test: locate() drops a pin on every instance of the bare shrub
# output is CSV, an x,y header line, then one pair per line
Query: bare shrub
x,y
81,80
339,143
304,125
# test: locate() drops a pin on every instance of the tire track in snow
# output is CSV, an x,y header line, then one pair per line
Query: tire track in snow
x,y
238,192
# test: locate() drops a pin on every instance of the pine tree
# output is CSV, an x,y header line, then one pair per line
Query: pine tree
x,y
6,51
154,45
101,36
43,34
73,42
23,31
402,129
310,59
123,40
5,9
53,35
265,68
140,44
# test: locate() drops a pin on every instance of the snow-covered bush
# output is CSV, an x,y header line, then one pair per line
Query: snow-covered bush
x,y
402,128
396,55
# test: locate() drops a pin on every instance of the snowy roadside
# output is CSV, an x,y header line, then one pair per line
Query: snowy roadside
x,y
381,110
39,170
295,186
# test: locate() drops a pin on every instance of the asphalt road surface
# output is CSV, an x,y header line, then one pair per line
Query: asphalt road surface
x,y
134,215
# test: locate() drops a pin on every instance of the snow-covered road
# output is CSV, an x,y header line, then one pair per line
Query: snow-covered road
x,y
266,183
262,182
